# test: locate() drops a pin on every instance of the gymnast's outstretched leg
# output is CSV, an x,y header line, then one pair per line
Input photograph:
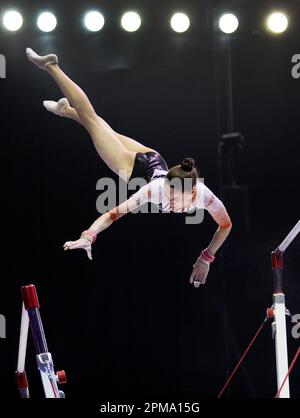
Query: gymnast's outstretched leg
x,y
110,148
64,109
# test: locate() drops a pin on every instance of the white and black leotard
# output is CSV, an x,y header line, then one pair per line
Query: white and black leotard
x,y
153,192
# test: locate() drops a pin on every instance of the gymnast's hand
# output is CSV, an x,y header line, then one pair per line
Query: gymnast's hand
x,y
83,243
200,272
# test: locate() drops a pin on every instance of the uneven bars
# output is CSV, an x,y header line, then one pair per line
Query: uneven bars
x,y
281,350
290,237
23,340
21,378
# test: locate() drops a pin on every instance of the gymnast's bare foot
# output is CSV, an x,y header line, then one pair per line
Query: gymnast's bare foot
x,y
58,108
41,61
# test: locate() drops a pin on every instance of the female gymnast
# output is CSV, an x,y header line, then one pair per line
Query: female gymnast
x,y
130,159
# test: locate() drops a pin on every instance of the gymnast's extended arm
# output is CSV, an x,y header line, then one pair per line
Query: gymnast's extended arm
x,y
88,237
219,213
220,235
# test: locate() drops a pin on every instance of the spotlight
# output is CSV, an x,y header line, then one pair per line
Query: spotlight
x,y
94,21
228,23
277,22
12,20
46,22
131,21
180,22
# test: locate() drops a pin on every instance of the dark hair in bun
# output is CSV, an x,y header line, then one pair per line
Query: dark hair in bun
x,y
187,164
186,170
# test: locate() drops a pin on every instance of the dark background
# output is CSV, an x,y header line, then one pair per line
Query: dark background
x,y
128,323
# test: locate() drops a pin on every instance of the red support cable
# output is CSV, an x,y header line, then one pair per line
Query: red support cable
x,y
289,372
242,358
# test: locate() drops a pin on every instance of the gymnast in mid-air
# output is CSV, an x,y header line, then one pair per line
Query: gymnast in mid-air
x,y
130,159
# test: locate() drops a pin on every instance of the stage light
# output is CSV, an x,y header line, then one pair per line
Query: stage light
x,y
277,22
46,22
131,21
228,23
12,20
180,22
94,21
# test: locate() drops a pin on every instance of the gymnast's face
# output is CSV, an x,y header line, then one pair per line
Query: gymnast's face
x,y
179,199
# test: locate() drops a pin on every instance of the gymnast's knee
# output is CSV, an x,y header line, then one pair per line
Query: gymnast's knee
x,y
88,117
